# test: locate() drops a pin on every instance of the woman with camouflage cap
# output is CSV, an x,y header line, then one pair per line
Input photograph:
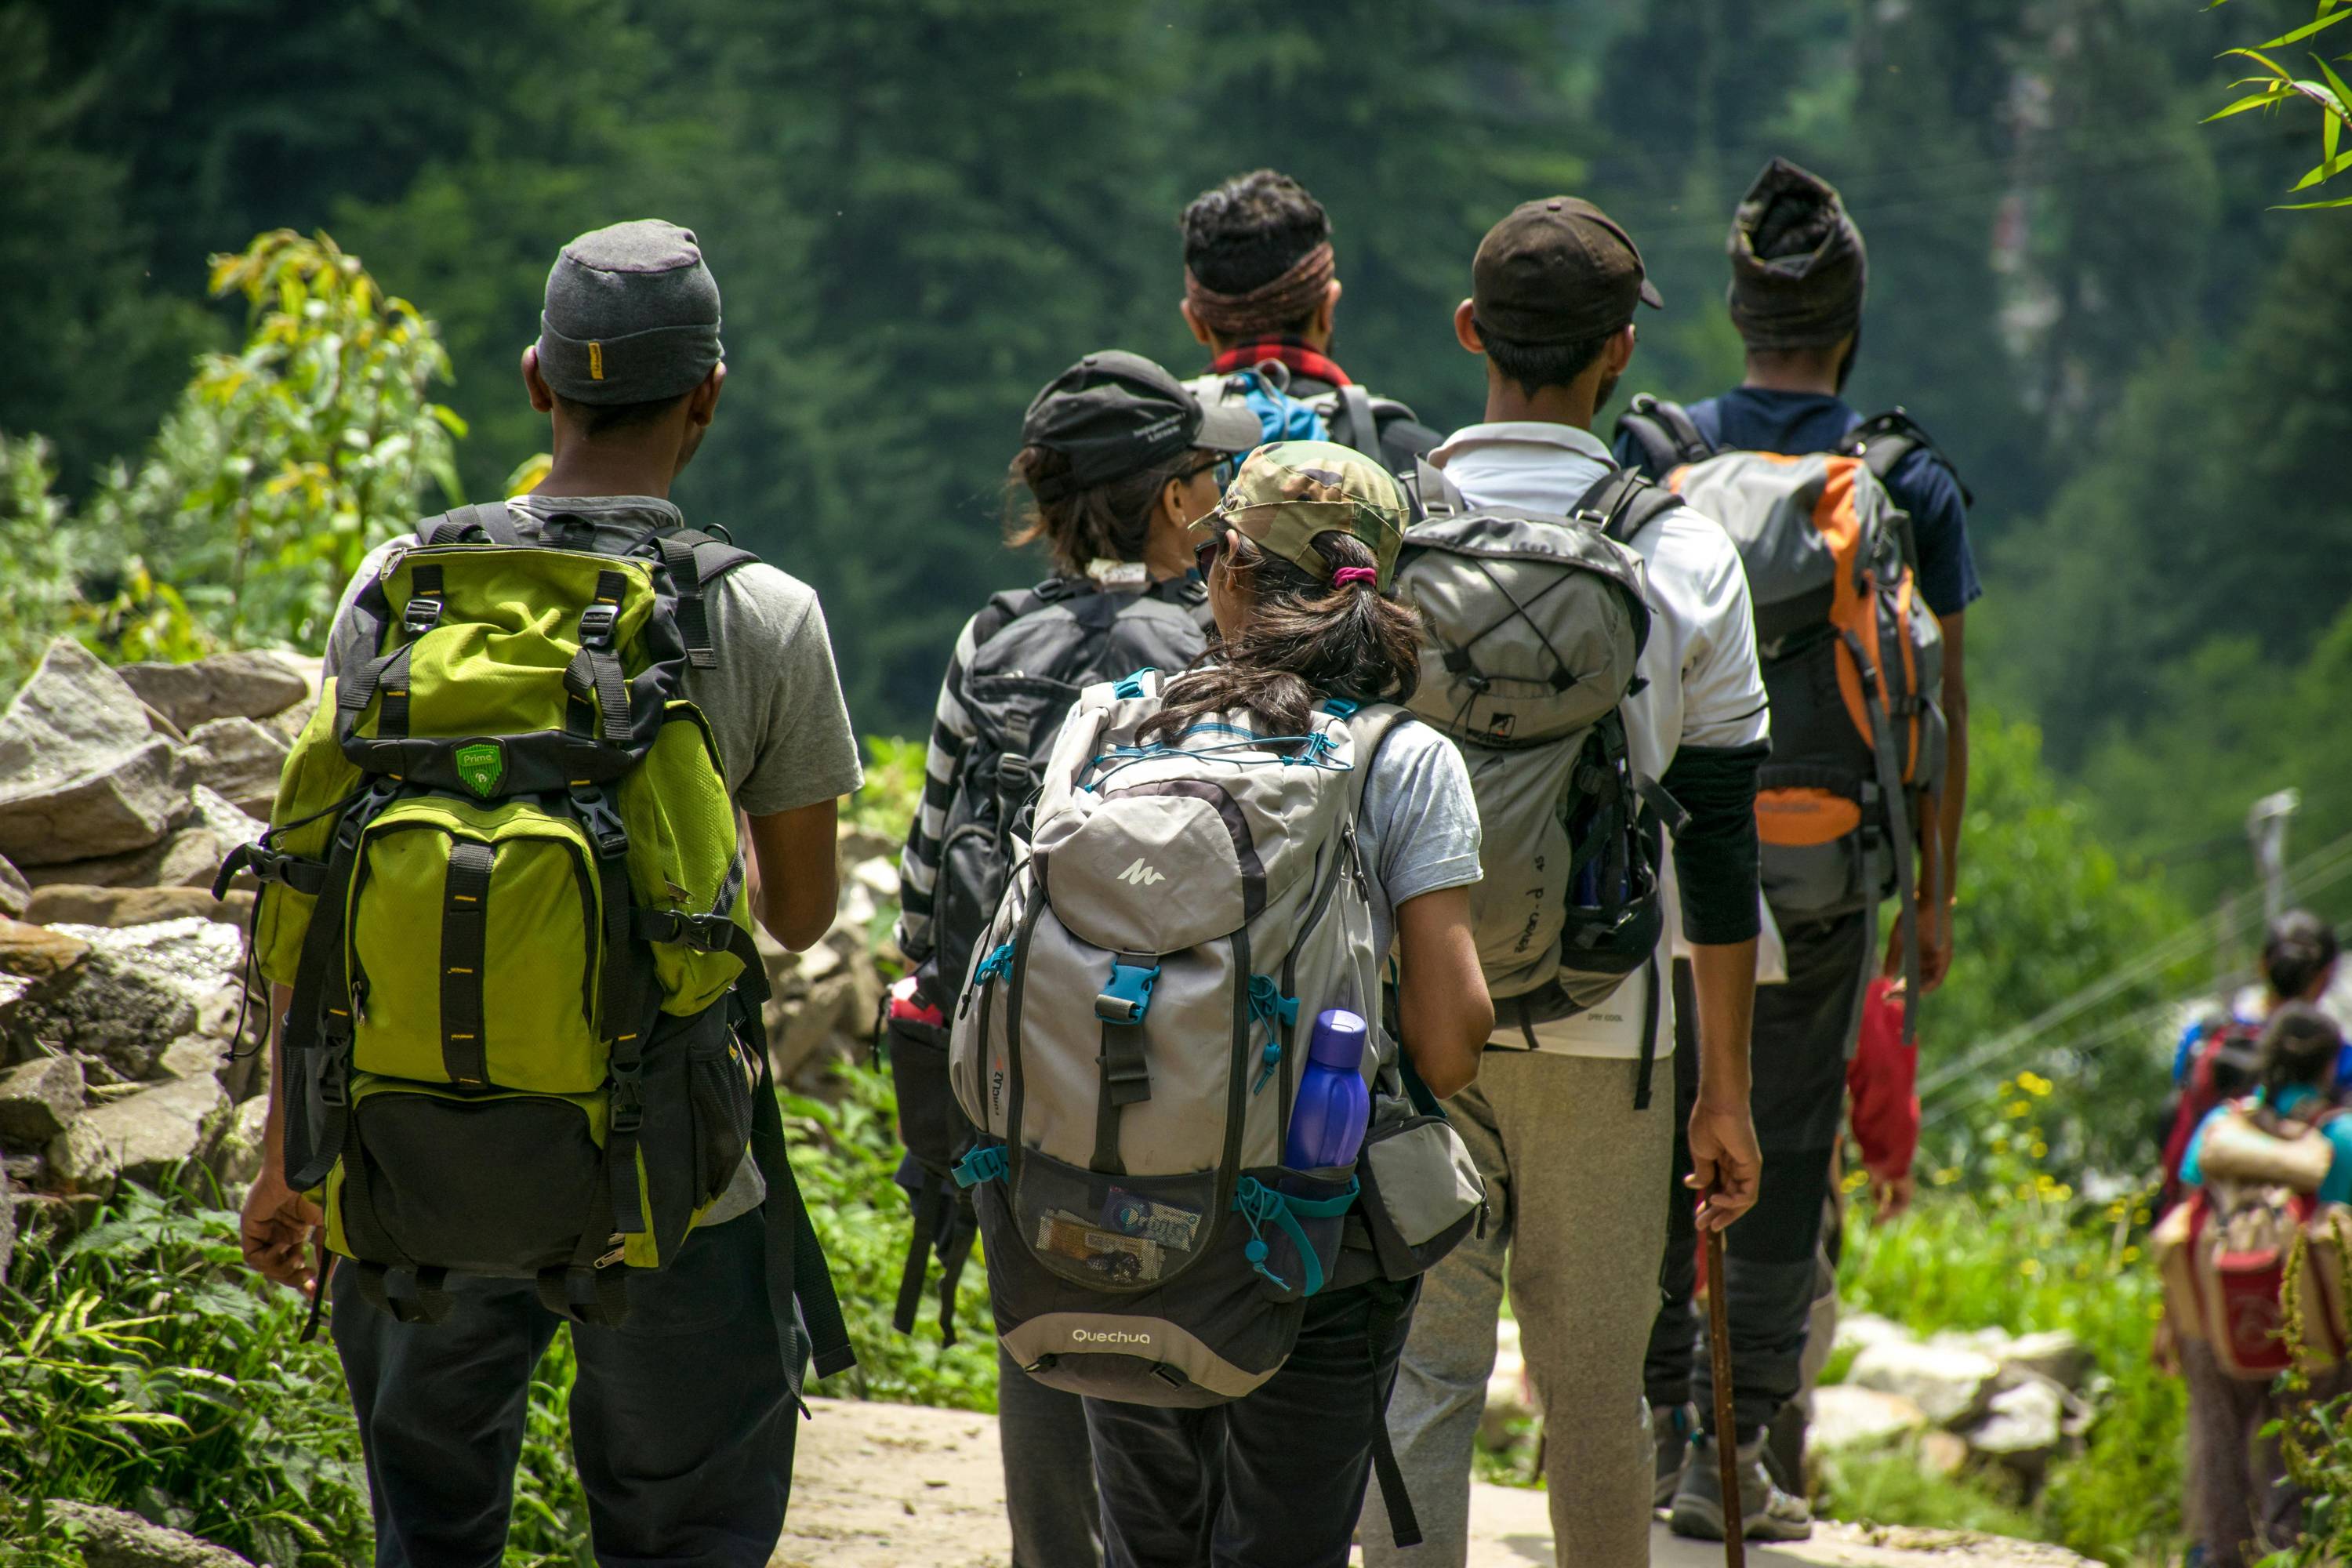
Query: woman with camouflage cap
x,y
1299,559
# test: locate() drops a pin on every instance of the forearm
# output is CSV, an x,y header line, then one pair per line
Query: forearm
x,y
1723,977
1953,807
273,1126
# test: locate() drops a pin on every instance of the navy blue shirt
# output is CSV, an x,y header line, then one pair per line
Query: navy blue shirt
x,y
1756,420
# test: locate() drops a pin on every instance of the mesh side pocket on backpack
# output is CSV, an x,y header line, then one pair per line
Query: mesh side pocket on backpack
x,y
722,1076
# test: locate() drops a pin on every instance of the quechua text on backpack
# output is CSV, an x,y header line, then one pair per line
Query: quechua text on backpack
x,y
1034,651
1536,625
503,880
2254,1247
1852,662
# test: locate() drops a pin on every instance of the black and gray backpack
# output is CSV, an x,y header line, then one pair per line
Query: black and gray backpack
x,y
1537,624
1129,1046
1035,651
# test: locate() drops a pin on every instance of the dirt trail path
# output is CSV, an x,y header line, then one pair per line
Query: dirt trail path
x,y
900,1486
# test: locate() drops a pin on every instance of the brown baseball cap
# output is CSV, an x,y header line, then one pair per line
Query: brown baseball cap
x,y
1558,270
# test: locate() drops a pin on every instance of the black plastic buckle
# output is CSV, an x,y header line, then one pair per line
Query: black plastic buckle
x,y
331,1085
596,624
628,1104
380,794
706,933
423,614
602,822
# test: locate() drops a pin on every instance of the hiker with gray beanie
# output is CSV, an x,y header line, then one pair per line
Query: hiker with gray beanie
x,y
1799,276
684,1412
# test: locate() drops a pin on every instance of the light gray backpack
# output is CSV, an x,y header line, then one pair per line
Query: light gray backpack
x,y
1131,1037
1536,624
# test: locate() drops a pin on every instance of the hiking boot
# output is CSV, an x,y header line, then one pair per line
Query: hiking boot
x,y
1767,1512
1672,1429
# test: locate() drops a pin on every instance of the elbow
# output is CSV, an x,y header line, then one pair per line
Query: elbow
x,y
1454,1067
799,925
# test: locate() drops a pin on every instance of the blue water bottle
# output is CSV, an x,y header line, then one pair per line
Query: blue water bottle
x,y
1327,1125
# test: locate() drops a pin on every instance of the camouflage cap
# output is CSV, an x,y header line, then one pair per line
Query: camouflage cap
x,y
1289,492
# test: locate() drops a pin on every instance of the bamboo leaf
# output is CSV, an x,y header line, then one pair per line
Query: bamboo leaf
x,y
2306,30
2262,99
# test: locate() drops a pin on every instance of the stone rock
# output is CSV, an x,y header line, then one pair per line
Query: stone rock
x,y
1857,1331
186,857
7,1222
81,772
147,1138
192,1054
2028,1418
1846,1415
797,1038
863,844
83,1161
878,876
199,956
224,685
237,1158
239,759
70,903
109,1006
1948,1384
36,952
39,1099
14,891
1943,1453
2055,1354
110,1538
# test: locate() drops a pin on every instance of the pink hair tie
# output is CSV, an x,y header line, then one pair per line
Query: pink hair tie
x,y
1348,574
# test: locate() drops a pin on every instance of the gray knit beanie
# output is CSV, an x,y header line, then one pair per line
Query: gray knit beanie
x,y
632,316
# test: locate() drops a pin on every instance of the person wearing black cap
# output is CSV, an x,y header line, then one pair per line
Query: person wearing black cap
x,y
682,1418
1118,461
1799,273
1261,292
1554,1120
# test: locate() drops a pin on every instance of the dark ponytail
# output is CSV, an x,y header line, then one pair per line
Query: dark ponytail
x,y
2296,950
1306,640
2299,1048
1109,520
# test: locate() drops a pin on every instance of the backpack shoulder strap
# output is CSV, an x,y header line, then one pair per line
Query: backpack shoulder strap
x,y
1665,432
1363,429
1371,724
695,562
1431,494
1002,609
492,522
1885,440
1622,503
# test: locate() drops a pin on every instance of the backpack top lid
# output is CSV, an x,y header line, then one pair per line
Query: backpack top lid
x,y
1537,622
1153,847
1809,529
2246,1144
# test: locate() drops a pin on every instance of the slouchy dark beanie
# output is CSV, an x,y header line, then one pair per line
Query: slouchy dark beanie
x,y
1798,269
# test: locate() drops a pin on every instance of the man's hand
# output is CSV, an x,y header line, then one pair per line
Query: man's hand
x,y
1935,944
1890,1195
1725,1169
276,1229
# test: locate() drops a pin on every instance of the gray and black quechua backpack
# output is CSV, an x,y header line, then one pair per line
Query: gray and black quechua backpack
x,y
1034,651
1129,1046
503,882
1852,661
1537,624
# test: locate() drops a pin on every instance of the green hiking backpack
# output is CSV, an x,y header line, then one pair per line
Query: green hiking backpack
x,y
503,880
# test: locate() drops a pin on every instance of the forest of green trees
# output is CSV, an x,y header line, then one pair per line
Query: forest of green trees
x,y
919,209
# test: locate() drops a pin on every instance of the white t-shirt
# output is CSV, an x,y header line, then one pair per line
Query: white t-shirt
x,y
1702,685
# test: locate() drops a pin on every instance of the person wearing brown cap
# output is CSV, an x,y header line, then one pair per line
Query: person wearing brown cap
x,y
1261,292
683,1417
1799,275
1555,1118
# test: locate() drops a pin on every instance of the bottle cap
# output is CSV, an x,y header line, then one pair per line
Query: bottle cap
x,y
1337,1040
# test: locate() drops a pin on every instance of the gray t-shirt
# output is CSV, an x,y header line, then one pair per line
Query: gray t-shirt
x,y
774,703
1419,823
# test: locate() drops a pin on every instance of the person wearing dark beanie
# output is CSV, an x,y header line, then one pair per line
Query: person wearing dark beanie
x,y
1798,285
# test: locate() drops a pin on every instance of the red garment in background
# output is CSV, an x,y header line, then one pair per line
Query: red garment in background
x,y
1882,1086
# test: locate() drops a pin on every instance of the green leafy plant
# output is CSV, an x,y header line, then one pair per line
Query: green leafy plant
x,y
2278,86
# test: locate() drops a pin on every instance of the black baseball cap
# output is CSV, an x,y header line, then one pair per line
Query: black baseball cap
x,y
1558,270
1114,414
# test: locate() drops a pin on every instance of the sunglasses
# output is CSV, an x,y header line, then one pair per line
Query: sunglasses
x,y
1205,554
1221,467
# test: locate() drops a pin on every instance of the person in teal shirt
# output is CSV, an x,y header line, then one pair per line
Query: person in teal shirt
x,y
2247,1503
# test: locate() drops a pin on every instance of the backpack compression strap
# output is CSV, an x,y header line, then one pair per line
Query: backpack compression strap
x,y
1885,440
1432,494
1363,429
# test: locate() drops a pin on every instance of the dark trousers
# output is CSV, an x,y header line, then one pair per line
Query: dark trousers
x,y
682,1425
1273,1479
1049,1473
1804,1032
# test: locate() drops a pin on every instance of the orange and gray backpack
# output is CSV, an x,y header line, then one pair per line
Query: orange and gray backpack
x,y
1852,661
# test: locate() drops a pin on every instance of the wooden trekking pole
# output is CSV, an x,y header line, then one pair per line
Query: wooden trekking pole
x,y
1727,1434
